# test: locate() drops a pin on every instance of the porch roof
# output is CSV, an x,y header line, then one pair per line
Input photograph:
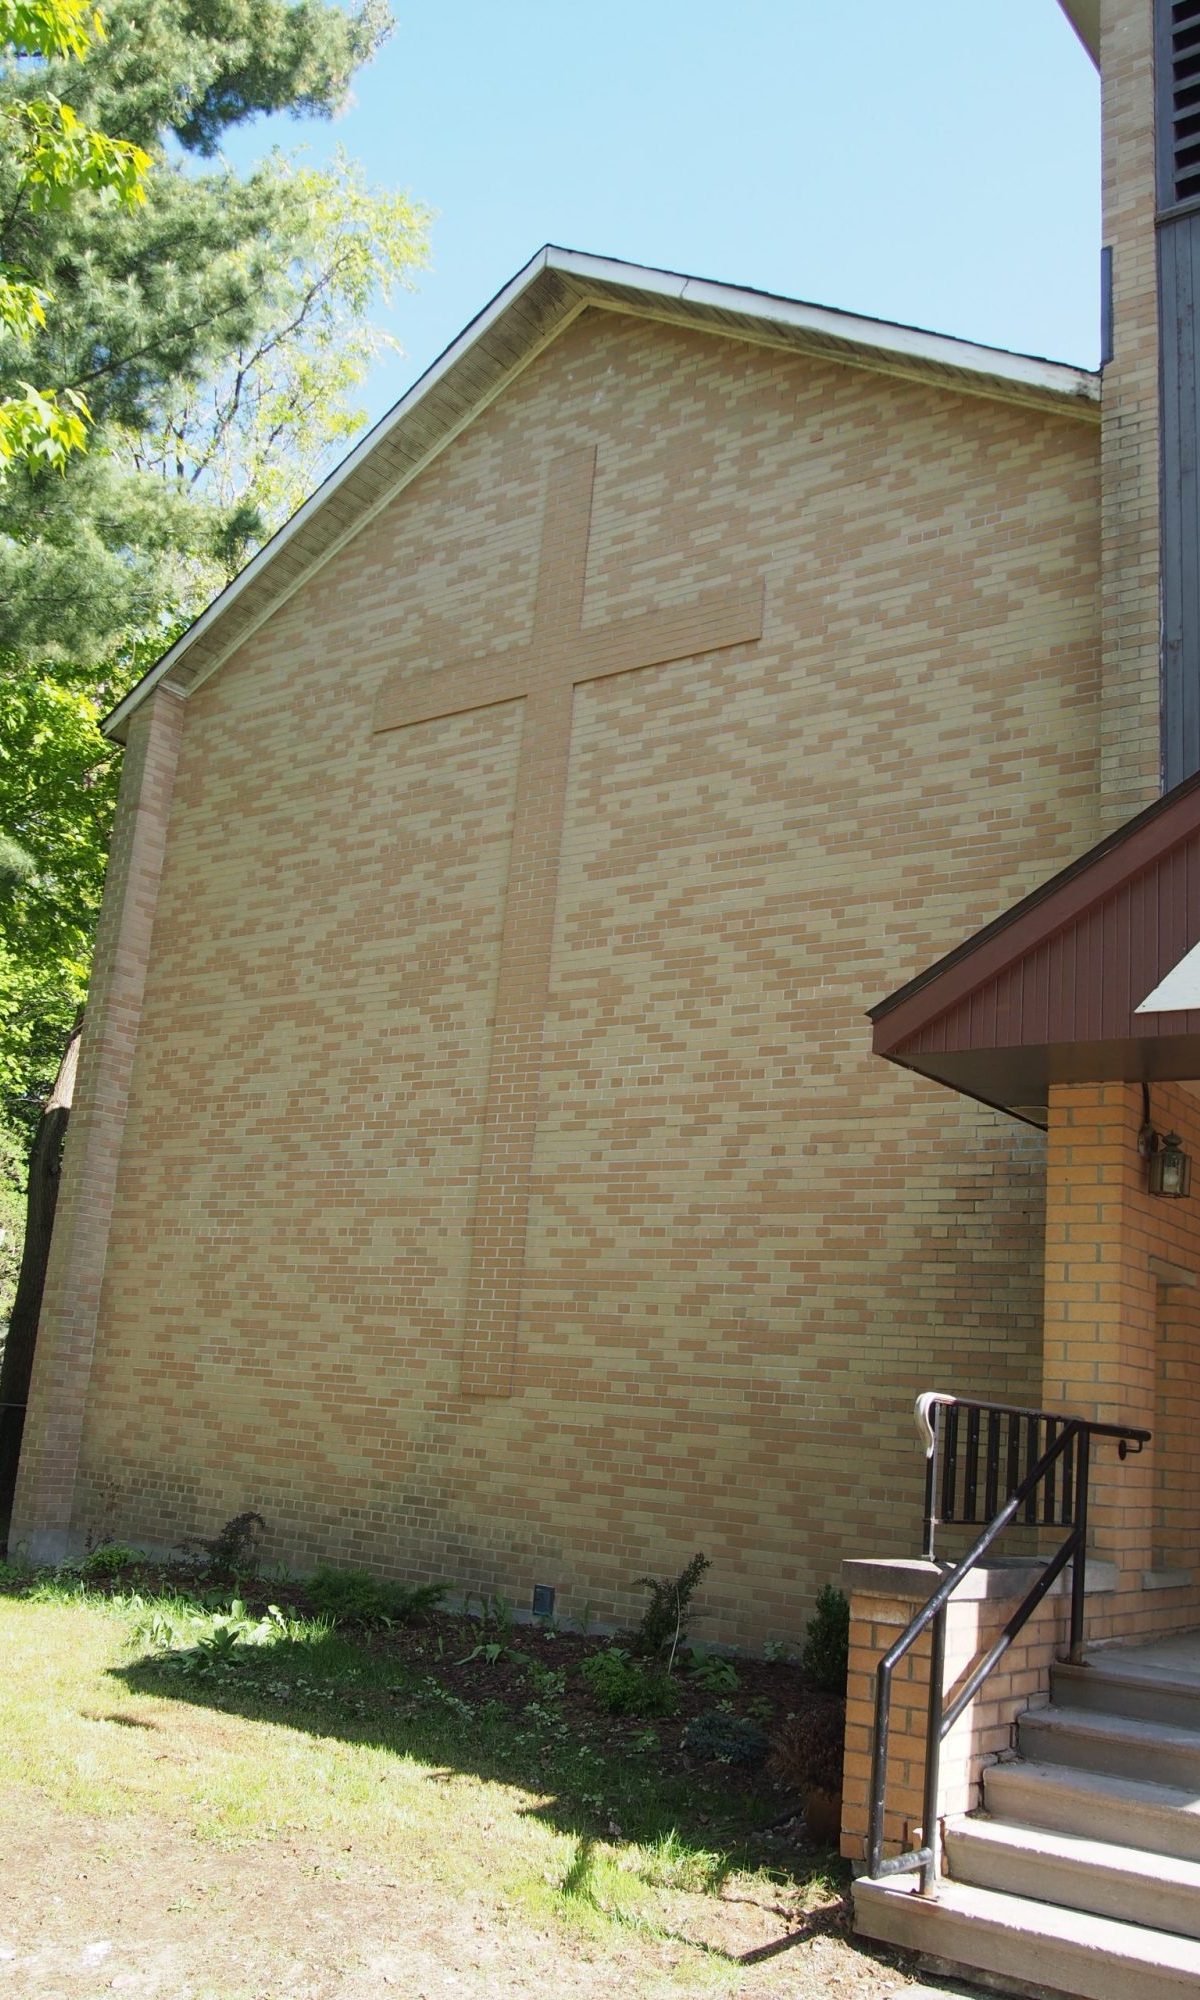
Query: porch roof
x,y
1048,992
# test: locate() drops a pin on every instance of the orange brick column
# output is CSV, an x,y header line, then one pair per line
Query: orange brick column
x,y
884,1597
1100,1313
41,1520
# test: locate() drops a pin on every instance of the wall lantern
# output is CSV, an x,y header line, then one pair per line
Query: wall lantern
x,y
1170,1167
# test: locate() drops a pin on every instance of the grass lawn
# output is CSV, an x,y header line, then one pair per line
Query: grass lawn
x,y
270,1810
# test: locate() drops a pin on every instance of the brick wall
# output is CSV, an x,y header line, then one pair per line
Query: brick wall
x,y
1130,507
42,1508
749,1243
1120,1335
1122,1314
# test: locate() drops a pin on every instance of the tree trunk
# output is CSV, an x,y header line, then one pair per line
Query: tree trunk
x,y
16,1368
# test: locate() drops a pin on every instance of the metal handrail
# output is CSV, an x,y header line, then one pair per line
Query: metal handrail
x,y
1069,1439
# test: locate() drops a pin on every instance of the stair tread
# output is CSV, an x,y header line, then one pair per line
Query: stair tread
x,y
1097,1785
1112,1728
1146,1679
1020,1916
1141,1863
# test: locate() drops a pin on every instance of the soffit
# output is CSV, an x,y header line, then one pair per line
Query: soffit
x,y
1084,16
1049,992
543,299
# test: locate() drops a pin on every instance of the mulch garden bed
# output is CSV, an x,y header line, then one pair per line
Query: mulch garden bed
x,y
452,1649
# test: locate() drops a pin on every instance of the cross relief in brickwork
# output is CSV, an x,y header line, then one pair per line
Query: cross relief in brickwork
x,y
561,655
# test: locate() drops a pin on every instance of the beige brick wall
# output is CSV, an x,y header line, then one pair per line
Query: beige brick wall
x,y
749,1242
42,1507
1130,510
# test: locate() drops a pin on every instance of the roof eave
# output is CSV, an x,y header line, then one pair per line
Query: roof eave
x,y
532,309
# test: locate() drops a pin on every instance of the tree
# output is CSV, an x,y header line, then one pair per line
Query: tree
x,y
218,333
53,157
58,786
154,305
261,432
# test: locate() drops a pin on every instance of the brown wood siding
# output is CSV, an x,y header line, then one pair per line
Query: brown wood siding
x,y
1084,983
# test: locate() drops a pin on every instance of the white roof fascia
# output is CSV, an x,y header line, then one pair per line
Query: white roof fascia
x,y
325,491
883,337
881,343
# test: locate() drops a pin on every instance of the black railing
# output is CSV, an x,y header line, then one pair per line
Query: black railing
x,y
976,1453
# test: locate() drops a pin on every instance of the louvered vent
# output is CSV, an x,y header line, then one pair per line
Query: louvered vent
x,y
1185,99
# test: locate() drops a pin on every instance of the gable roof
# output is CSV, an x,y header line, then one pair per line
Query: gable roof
x,y
1084,16
1050,992
536,306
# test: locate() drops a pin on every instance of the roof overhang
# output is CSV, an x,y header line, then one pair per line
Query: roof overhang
x,y
1051,991
552,290
1084,16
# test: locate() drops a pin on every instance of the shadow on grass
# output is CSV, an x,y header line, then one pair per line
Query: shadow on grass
x,y
434,1697
593,1780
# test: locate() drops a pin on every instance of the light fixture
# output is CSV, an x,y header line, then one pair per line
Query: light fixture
x,y
1170,1167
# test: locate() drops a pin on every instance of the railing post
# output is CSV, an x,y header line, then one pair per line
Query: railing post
x,y
879,1750
1079,1559
933,1752
931,1474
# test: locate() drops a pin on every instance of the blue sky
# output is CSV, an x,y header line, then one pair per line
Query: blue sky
x,y
935,162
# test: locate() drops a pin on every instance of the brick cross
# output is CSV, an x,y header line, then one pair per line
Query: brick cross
x,y
562,654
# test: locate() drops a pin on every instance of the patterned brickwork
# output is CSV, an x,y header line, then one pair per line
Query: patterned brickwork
x,y
1120,1343
1121,1324
1130,507
748,1243
42,1508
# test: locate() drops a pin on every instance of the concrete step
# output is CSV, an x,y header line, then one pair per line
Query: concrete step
x,y
1119,1745
1127,1883
1033,1945
1151,1698
1159,1819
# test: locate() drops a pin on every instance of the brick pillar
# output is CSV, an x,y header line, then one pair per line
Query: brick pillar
x,y
1101,1300
41,1520
1129,718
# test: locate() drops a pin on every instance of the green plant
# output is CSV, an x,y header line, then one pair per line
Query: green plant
x,y
807,1752
661,1628
624,1687
237,1545
548,1683
721,1738
355,1597
709,1671
109,1559
776,1652
493,1652
826,1653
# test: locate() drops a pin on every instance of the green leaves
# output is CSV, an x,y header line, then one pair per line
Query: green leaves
x,y
42,429
22,306
57,158
64,157
49,27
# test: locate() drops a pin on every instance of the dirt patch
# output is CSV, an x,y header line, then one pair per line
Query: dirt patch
x,y
131,1907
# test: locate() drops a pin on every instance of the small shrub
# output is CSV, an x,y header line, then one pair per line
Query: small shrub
x,y
776,1652
806,1753
661,1628
355,1597
826,1653
622,1687
236,1547
720,1738
711,1672
109,1559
